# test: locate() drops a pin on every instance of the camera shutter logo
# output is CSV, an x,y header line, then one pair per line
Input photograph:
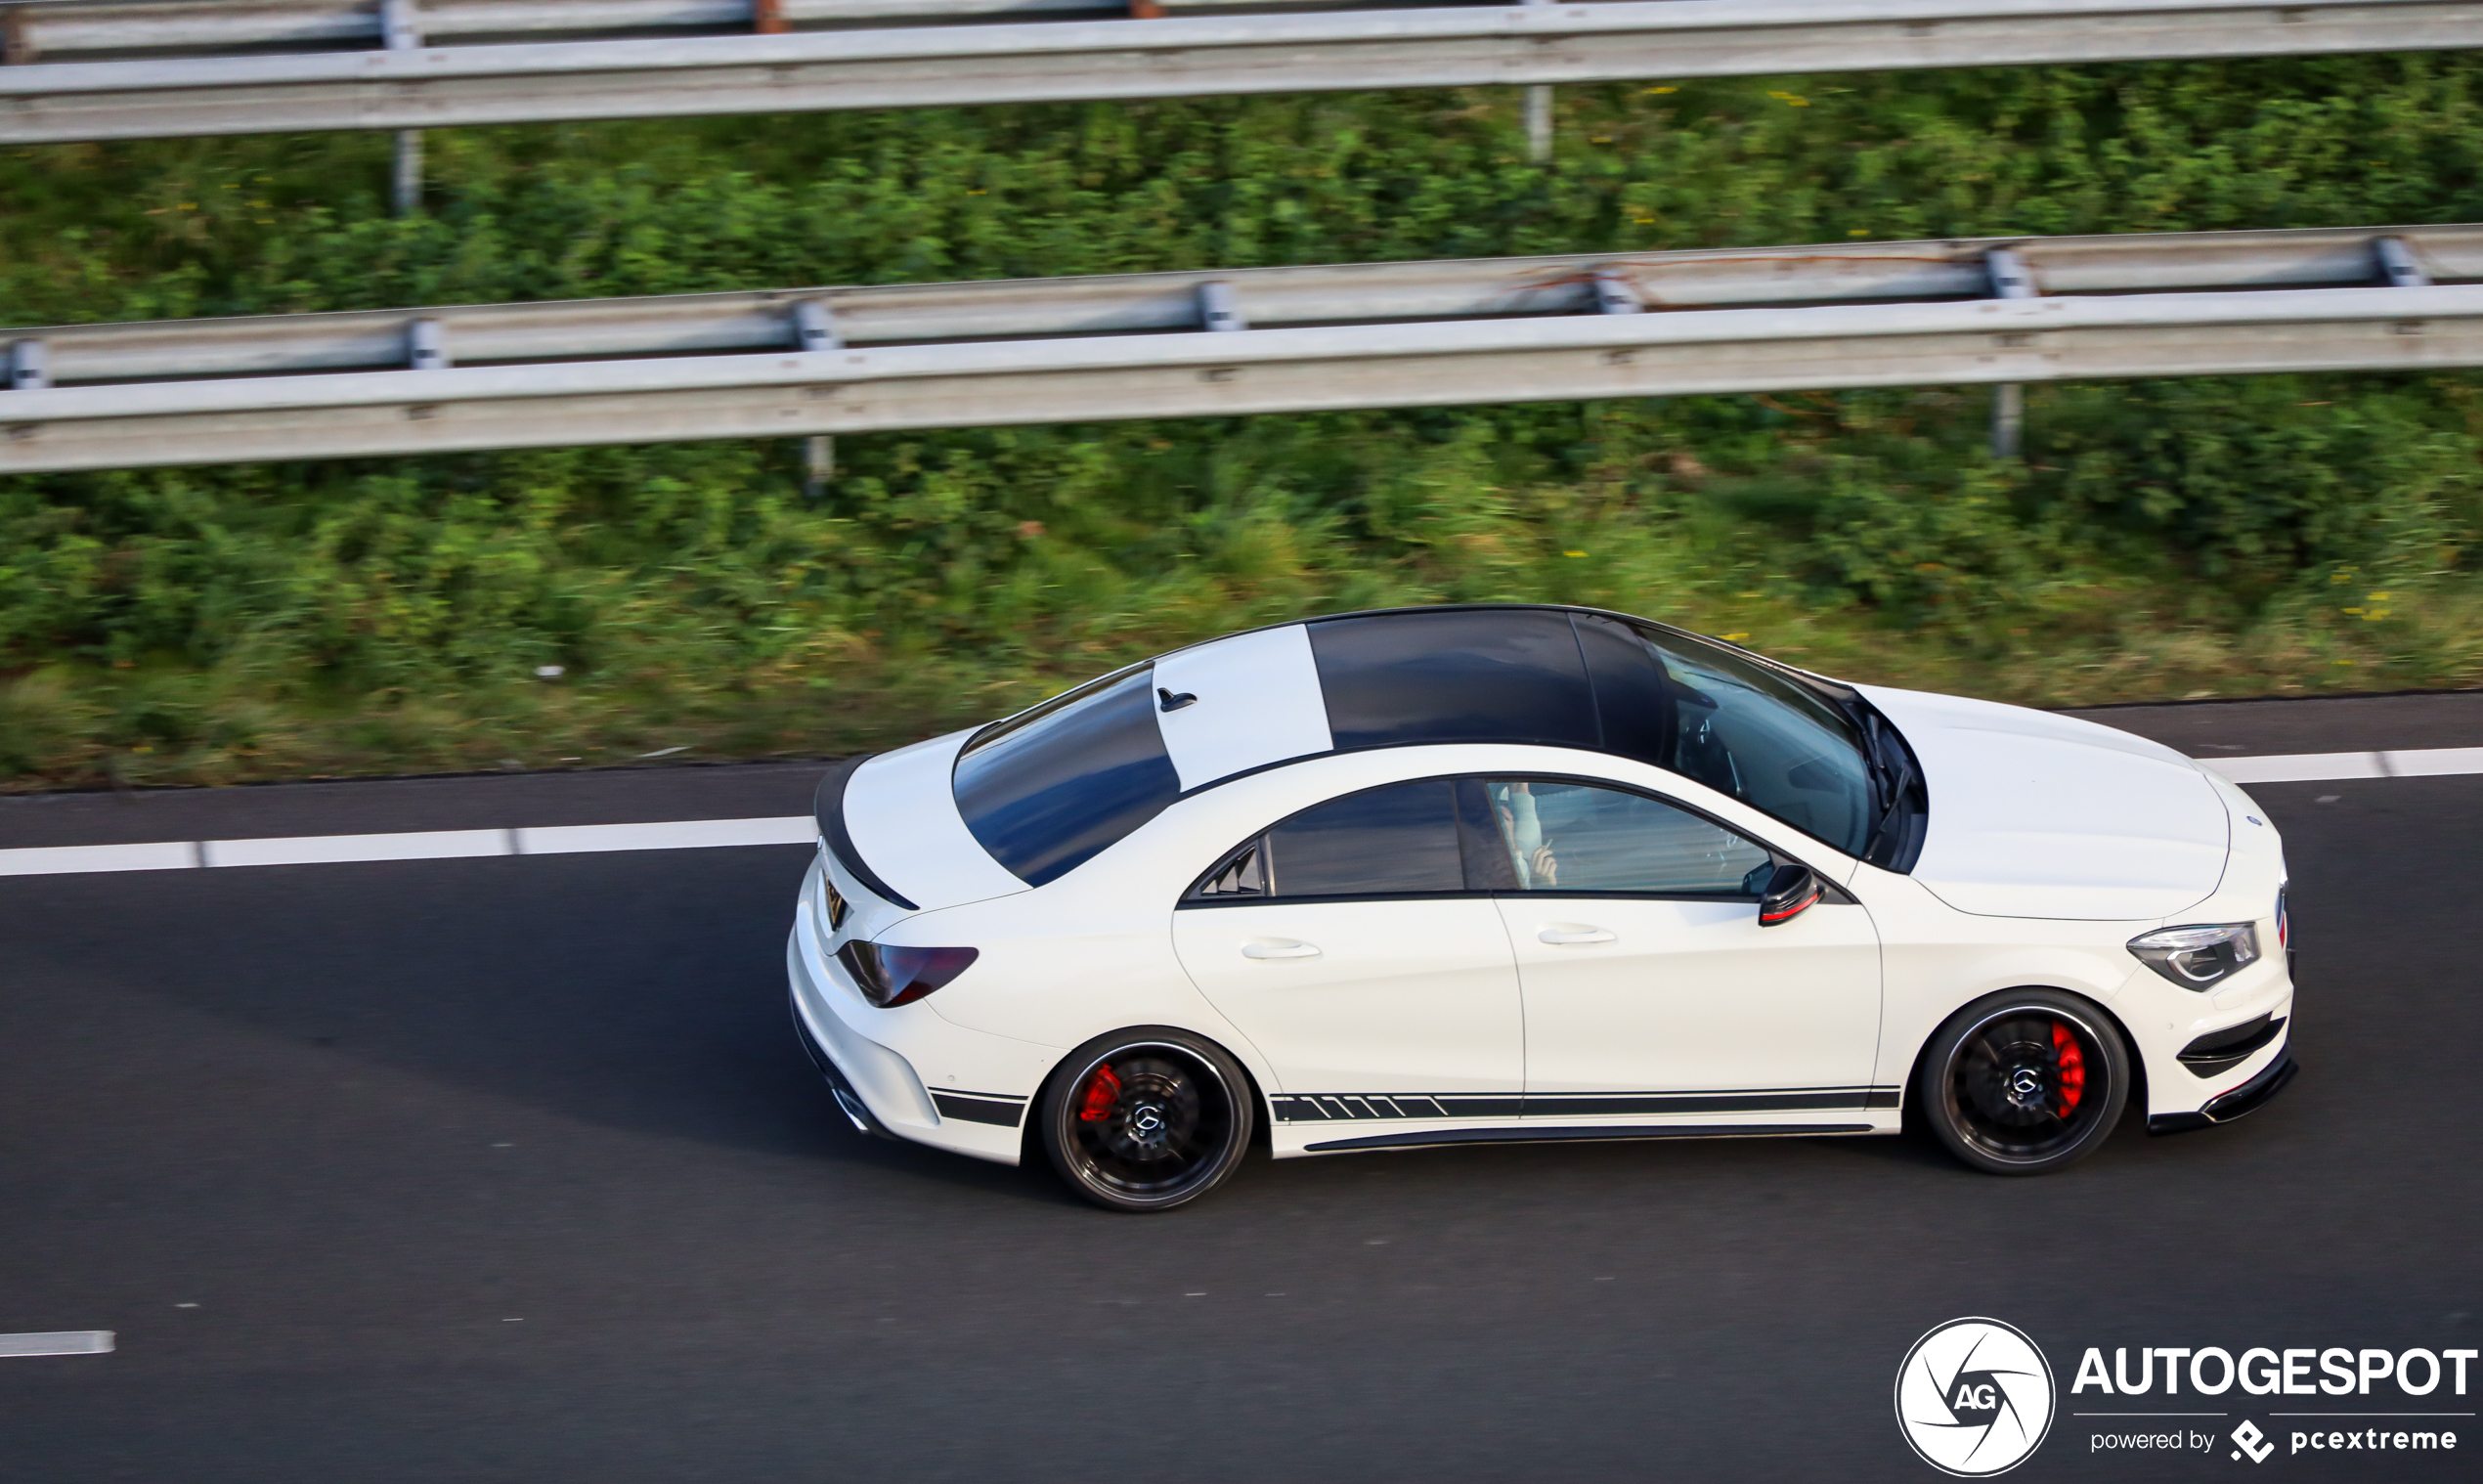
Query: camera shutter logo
x,y
1975,1397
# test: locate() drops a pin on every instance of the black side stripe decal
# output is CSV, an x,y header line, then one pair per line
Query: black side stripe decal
x,y
1791,1100
1559,1133
1355,1108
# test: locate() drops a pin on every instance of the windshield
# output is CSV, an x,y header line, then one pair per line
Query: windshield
x,y
1744,728
1049,788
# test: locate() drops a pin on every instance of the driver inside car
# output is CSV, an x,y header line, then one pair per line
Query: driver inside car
x,y
1522,827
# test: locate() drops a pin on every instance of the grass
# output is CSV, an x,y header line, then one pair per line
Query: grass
x,y
2291,535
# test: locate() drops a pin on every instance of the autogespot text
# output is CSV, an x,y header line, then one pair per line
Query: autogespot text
x,y
2213,1371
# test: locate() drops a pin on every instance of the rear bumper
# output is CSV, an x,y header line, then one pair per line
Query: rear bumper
x,y
891,1098
2241,1102
877,1084
847,1099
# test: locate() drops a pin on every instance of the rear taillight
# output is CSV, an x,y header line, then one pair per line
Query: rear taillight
x,y
889,976
2284,920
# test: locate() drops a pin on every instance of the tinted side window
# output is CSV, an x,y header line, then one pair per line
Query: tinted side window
x,y
1047,792
1743,729
1480,676
1570,837
1400,841
1392,842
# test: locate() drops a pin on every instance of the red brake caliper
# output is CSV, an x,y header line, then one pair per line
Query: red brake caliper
x,y
2073,1066
1103,1095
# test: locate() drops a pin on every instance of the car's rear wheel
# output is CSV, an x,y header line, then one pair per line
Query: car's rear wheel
x,y
1147,1120
2025,1081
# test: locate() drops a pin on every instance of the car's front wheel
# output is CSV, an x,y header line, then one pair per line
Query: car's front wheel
x,y
1147,1120
2025,1081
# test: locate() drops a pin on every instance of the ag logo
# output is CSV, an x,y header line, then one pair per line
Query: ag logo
x,y
1975,1397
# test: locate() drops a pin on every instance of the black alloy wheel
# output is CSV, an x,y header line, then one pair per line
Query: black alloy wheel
x,y
2025,1081
1147,1120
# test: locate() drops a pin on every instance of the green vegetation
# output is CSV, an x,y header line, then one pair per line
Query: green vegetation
x,y
2159,539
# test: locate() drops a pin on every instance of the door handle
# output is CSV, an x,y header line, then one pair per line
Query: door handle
x,y
1576,935
1279,950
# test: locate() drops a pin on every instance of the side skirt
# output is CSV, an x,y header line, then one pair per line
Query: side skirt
x,y
1419,1138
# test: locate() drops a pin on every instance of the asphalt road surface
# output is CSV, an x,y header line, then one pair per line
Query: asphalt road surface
x,y
506,1169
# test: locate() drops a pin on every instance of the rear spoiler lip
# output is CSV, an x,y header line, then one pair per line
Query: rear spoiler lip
x,y
828,807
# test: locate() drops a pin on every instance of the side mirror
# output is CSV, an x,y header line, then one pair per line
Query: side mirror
x,y
1789,894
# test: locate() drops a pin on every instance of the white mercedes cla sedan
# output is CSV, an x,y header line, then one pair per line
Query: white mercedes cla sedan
x,y
1466,875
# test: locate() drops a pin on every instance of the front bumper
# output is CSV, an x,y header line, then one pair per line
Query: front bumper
x,y
2241,1102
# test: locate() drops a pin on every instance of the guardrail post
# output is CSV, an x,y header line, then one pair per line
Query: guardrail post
x,y
2397,264
29,366
1219,309
815,328
17,48
427,346
768,17
405,173
1615,294
1539,122
818,464
2008,280
401,31
1539,115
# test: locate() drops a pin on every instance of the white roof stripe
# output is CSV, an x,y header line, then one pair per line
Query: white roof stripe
x,y
1258,702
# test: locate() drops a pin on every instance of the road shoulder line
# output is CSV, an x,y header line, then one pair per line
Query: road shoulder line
x,y
800,829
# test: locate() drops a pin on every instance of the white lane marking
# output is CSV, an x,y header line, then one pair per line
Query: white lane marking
x,y
2327,767
800,829
57,1342
330,850
410,844
2435,762
72,859
2309,768
677,835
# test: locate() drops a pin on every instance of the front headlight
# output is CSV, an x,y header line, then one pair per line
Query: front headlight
x,y
2196,957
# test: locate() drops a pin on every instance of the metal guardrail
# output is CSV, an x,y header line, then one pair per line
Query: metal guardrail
x,y
414,86
1333,294
50,30
813,361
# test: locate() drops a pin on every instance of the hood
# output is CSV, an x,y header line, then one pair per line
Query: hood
x,y
2040,815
